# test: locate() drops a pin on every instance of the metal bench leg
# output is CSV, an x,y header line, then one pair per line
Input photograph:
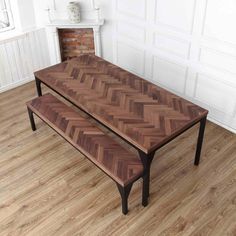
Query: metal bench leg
x,y
146,160
31,117
200,140
124,193
38,86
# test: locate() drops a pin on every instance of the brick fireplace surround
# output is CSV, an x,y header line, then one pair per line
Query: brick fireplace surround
x,y
69,40
74,42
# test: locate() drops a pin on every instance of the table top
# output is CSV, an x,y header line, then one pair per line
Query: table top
x,y
141,112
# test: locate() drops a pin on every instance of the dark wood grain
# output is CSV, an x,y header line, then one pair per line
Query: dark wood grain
x,y
120,164
144,114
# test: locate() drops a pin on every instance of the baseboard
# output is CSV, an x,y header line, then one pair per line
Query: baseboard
x,y
221,124
16,84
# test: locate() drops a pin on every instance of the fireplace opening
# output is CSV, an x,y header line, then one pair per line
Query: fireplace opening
x,y
74,42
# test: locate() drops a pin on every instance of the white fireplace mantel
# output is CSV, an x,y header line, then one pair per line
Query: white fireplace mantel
x,y
53,39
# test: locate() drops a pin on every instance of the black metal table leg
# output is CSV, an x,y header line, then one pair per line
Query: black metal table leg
x,y
124,193
146,160
200,140
31,117
145,191
38,86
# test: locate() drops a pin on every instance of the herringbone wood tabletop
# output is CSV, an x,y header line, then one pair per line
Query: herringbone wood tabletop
x,y
144,114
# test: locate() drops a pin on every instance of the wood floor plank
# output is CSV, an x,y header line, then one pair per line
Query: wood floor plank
x,y
48,188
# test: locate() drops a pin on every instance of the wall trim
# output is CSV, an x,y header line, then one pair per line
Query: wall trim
x,y
213,120
16,84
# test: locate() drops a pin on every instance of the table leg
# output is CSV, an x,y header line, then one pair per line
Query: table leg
x,y
38,86
200,140
146,160
31,117
146,189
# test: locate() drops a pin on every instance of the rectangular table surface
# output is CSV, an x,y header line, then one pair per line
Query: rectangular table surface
x,y
141,112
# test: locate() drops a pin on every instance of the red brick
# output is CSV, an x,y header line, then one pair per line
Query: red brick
x,y
75,42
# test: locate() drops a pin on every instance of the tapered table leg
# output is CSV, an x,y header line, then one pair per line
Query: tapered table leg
x,y
31,117
38,86
146,160
200,140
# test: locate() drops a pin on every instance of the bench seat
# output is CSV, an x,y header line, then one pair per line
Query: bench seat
x,y
118,163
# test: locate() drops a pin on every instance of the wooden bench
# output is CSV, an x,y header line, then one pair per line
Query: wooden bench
x,y
118,163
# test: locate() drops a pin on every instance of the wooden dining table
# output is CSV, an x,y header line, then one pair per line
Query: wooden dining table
x,y
143,114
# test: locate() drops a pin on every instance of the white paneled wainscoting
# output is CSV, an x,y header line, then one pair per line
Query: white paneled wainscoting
x,y
20,56
186,46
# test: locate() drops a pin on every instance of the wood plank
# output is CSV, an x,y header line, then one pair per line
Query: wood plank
x,y
48,188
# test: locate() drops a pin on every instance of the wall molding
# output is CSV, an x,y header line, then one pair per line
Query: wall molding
x,y
174,39
189,31
209,37
132,26
220,53
184,67
21,56
216,121
16,84
142,53
131,14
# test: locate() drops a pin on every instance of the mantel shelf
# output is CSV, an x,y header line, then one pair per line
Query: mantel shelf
x,y
82,24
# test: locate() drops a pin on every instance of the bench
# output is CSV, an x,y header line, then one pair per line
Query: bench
x,y
119,164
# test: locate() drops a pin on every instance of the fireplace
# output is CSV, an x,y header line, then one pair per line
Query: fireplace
x,y
72,39
74,42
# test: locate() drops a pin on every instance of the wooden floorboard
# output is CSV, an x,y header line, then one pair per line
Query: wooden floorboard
x,y
48,188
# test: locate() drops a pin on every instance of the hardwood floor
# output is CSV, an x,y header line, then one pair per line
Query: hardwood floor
x,y
48,188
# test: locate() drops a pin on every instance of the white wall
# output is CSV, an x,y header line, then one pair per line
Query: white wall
x,y
20,56
23,15
21,48
187,46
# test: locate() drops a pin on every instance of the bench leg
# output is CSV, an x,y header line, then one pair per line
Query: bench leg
x,y
199,141
31,117
124,193
146,160
38,87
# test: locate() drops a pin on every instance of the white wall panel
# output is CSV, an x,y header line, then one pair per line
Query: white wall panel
x,y
216,94
11,60
5,72
130,58
131,31
136,8
220,18
169,74
176,14
172,44
214,58
21,56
